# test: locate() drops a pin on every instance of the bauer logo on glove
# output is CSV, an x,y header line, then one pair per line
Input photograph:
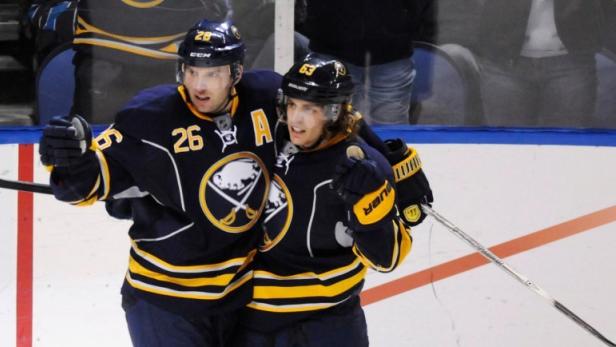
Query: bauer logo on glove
x,y
376,205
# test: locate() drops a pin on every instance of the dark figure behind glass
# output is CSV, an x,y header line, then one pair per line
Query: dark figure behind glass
x,y
537,61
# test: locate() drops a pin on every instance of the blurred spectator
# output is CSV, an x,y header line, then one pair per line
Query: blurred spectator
x,y
49,24
123,47
458,22
537,61
608,7
374,39
16,70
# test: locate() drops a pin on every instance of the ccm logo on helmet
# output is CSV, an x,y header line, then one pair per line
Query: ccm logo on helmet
x,y
200,55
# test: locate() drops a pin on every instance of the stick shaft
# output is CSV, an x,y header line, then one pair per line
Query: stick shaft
x,y
26,186
522,279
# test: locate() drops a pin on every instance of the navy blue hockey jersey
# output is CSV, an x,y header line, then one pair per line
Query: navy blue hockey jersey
x,y
309,260
201,190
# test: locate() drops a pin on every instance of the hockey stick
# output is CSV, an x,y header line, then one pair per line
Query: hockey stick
x,y
26,186
38,187
522,279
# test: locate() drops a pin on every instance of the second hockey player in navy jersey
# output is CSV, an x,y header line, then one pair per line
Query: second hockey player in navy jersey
x,y
331,214
196,159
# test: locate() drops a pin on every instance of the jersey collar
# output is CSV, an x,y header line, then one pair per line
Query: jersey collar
x,y
235,101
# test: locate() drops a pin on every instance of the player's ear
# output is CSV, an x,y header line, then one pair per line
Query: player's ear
x,y
240,71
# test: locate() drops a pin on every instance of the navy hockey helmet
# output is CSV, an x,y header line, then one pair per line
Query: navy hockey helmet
x,y
318,79
210,43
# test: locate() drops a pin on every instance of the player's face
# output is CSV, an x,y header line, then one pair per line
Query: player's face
x,y
306,122
208,87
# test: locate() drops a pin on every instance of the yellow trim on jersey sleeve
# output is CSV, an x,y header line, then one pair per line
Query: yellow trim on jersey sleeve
x,y
87,201
104,173
374,206
220,280
402,247
91,197
408,166
308,291
394,254
406,242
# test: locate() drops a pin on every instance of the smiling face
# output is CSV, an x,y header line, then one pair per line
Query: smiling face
x,y
208,87
305,121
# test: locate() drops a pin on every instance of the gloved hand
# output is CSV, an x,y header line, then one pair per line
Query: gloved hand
x,y
65,141
412,186
363,187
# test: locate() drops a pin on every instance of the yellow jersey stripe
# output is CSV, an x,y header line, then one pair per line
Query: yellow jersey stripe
x,y
220,280
316,290
261,274
198,295
240,261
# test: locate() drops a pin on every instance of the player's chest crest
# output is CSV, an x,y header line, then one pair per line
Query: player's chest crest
x,y
233,191
278,214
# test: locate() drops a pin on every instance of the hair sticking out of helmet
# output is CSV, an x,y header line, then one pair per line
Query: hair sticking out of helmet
x,y
210,43
319,79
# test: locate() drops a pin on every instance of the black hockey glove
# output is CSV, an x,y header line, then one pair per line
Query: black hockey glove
x,y
363,187
65,141
412,187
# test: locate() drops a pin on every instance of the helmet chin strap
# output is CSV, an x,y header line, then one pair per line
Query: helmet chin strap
x,y
225,107
317,143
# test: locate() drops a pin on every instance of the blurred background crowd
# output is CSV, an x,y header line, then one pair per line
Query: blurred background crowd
x,y
522,63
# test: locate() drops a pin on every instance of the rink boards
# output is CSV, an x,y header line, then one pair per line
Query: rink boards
x,y
550,209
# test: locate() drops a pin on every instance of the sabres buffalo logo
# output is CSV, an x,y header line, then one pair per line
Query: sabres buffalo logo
x,y
233,192
278,213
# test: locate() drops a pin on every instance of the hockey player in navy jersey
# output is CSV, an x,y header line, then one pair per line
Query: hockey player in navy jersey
x,y
194,159
331,214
